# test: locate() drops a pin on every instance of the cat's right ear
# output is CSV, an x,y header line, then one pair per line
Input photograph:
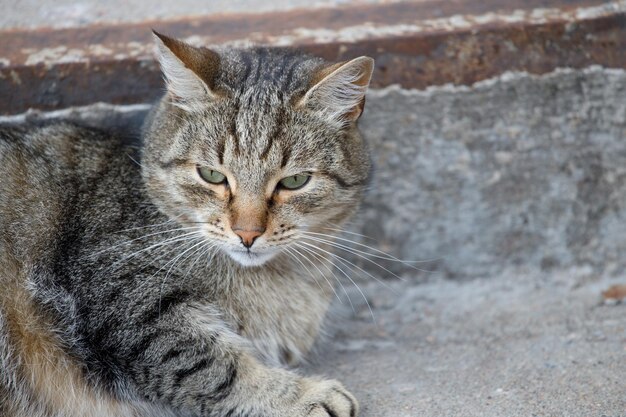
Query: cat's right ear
x,y
190,72
338,90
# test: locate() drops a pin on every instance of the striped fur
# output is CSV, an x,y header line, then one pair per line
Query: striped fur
x,y
126,291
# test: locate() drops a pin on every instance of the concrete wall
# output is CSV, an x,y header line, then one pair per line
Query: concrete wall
x,y
519,170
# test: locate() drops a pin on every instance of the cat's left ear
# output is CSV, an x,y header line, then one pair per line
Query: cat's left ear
x,y
190,72
338,90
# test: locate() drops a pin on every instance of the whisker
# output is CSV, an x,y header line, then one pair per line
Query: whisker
x,y
386,255
344,260
144,237
169,241
134,160
350,233
347,249
322,261
152,260
173,262
351,280
321,273
339,245
172,220
202,255
289,252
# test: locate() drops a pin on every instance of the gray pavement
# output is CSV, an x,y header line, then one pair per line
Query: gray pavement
x,y
518,344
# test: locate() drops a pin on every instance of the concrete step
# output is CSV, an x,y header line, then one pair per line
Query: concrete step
x,y
416,44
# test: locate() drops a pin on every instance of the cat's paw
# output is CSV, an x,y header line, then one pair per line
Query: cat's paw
x,y
328,398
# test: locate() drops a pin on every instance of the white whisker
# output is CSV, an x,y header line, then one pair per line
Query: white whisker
x,y
321,273
324,261
349,250
289,252
172,240
173,262
351,280
344,261
349,232
144,237
386,255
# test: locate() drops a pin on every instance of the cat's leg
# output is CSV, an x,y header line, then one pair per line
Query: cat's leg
x,y
186,358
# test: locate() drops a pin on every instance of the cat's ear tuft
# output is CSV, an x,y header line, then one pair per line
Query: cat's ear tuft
x,y
338,90
190,72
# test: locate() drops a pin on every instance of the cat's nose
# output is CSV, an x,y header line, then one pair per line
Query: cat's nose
x,y
248,236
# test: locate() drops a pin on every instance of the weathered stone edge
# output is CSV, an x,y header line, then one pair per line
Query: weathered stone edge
x,y
412,51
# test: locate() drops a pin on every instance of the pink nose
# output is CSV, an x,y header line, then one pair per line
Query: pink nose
x,y
248,236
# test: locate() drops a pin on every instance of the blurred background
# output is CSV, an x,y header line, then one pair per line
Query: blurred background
x,y
498,134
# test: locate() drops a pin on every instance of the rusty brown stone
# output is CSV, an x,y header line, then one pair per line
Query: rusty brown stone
x,y
113,63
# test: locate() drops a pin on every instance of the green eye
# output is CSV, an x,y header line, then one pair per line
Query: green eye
x,y
295,181
211,176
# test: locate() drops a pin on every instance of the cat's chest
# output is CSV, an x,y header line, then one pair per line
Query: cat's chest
x,y
281,317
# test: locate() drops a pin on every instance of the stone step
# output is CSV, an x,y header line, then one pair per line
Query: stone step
x,y
416,44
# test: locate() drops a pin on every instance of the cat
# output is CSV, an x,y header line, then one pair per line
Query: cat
x,y
181,278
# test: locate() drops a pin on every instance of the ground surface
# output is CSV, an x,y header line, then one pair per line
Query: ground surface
x,y
513,345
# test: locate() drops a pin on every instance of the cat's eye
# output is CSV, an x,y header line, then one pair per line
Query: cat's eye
x,y
211,176
295,181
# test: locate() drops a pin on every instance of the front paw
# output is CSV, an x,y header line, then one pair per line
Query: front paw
x,y
327,398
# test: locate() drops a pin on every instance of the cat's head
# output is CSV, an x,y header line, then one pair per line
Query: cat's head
x,y
256,146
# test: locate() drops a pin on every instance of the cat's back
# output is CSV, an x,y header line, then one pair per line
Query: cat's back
x,y
46,175
44,170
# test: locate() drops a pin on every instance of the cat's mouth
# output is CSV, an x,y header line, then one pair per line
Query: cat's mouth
x,y
249,257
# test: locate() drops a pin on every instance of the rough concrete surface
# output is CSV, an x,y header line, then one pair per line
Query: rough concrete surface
x,y
517,185
517,344
519,170
73,13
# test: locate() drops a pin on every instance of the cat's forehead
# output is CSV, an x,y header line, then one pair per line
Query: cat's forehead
x,y
270,135
264,70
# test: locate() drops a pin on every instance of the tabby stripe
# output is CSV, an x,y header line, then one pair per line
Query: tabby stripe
x,y
266,151
286,156
158,385
278,129
247,63
231,413
171,354
342,182
164,305
292,68
101,334
137,349
233,129
202,405
114,294
225,388
261,58
197,190
174,163
181,374
220,149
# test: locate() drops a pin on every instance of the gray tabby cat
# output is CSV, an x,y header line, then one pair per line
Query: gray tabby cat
x,y
182,286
